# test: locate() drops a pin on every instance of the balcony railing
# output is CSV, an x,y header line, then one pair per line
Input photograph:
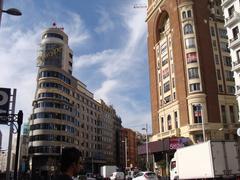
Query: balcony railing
x,y
235,41
173,132
226,2
236,65
233,19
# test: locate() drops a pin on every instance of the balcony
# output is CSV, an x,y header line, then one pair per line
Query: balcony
x,y
225,3
234,42
170,133
236,66
232,20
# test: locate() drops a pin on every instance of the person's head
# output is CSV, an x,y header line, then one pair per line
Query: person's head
x,y
71,160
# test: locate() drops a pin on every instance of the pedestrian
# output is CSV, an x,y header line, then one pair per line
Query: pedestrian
x,y
71,163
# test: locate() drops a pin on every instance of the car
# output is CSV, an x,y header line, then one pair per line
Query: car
x,y
130,175
145,175
117,176
90,176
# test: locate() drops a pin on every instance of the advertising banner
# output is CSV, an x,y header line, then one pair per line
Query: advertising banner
x,y
5,94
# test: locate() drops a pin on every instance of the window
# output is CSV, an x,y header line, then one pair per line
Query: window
x,y
169,121
162,123
53,35
165,73
235,32
166,87
223,111
191,57
184,15
227,61
238,55
231,11
216,59
190,43
212,31
231,110
223,33
214,43
188,29
197,113
219,74
194,87
193,73
224,47
173,82
167,99
231,89
220,88
189,13
229,76
176,119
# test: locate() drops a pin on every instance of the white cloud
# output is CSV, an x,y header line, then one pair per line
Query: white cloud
x,y
105,22
106,88
78,34
122,69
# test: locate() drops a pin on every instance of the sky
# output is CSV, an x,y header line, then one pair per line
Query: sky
x,y
109,43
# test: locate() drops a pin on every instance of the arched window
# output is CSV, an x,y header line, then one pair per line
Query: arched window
x,y
169,121
184,15
188,29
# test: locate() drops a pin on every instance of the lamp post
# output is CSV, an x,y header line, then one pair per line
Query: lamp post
x,y
125,143
203,127
147,164
11,11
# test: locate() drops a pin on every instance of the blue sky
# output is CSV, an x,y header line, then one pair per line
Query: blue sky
x,y
109,41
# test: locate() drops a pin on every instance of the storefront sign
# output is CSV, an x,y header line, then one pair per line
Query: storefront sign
x,y
176,143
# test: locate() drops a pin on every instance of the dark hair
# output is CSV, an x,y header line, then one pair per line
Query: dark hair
x,y
70,155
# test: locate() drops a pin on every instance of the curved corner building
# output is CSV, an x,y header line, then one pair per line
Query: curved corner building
x,y
65,112
54,117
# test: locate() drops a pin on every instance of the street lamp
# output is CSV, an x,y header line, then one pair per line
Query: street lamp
x,y
11,11
146,146
125,142
203,127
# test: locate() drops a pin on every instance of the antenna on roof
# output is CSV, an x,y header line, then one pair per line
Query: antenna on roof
x,y
140,6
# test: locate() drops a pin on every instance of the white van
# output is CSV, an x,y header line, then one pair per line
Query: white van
x,y
117,176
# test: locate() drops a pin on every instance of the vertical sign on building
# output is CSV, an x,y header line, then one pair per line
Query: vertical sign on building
x,y
5,94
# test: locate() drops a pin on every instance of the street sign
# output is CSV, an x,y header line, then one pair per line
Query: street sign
x,y
5,94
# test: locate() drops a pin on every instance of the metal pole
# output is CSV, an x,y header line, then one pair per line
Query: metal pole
x,y
147,165
1,7
126,153
203,127
167,164
92,165
19,122
10,134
